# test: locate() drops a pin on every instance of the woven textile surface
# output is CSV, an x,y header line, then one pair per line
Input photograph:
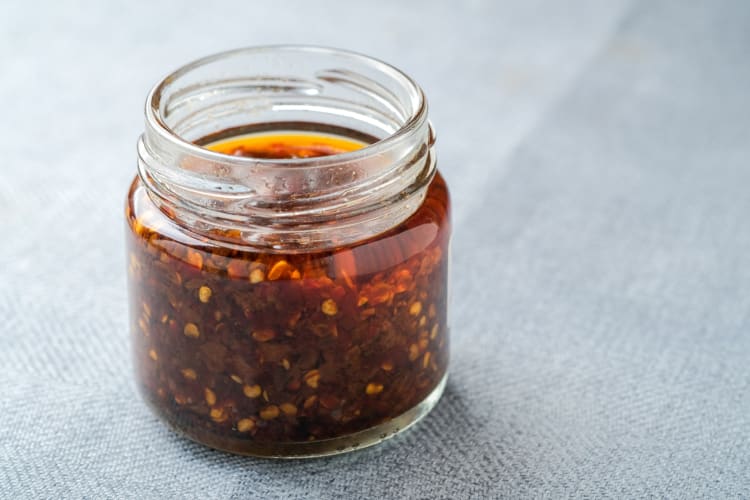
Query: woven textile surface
x,y
599,160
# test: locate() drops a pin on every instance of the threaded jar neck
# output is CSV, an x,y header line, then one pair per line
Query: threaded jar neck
x,y
291,204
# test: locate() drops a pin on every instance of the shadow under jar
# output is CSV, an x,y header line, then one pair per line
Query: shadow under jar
x,y
288,240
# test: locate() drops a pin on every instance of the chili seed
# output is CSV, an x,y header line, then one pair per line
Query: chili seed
x,y
204,294
413,352
210,396
152,354
289,409
195,259
191,330
189,373
278,270
329,307
434,332
373,388
415,308
252,391
256,276
426,360
269,412
246,425
177,278
218,414
431,311
312,378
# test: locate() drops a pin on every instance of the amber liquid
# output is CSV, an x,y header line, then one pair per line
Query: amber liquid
x,y
243,349
285,145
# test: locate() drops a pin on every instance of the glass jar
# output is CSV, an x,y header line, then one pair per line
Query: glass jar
x,y
288,304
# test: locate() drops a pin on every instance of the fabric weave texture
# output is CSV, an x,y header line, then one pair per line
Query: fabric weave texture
x,y
599,159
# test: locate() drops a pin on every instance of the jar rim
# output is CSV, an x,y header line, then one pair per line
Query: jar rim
x,y
413,122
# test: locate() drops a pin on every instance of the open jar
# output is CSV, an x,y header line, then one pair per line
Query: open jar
x,y
288,240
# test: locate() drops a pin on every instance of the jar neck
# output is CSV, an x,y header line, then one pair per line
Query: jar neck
x,y
295,204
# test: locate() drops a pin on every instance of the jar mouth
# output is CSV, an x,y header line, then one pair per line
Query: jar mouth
x,y
412,116
323,200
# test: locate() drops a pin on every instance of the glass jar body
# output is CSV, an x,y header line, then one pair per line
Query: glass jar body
x,y
289,355
288,305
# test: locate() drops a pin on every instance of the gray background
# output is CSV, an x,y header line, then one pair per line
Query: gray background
x,y
598,156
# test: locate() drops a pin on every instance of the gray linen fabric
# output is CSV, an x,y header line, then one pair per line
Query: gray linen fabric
x,y
599,156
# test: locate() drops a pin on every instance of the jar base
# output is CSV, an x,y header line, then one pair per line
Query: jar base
x,y
309,449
